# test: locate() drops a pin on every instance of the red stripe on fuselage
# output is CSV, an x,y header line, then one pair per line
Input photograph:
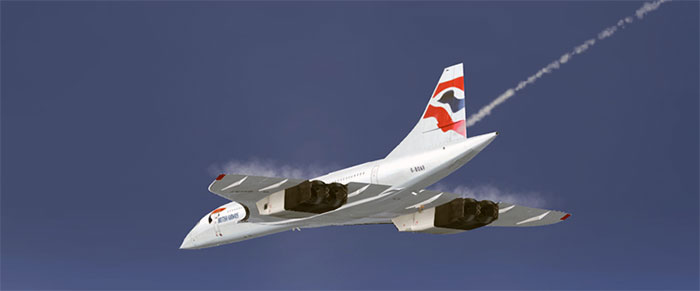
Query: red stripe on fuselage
x,y
444,120
218,210
457,82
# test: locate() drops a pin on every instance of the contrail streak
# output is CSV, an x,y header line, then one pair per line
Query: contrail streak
x,y
259,167
493,193
606,33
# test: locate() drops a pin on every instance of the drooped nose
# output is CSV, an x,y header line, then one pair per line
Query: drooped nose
x,y
195,238
202,235
188,242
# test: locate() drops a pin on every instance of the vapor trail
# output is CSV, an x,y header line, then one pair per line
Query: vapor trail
x,y
493,193
606,33
269,168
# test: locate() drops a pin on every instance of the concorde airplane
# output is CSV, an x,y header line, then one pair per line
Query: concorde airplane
x,y
390,190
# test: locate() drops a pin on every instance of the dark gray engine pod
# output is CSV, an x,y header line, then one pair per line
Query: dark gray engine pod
x,y
465,214
306,197
458,215
315,197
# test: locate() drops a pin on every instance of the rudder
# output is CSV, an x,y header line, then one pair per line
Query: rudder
x,y
444,119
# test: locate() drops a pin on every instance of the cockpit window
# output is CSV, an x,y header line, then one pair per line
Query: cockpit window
x,y
211,218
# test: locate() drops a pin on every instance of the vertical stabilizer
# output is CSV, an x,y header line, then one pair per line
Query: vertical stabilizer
x,y
443,120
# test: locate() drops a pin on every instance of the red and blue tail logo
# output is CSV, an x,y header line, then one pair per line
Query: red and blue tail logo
x,y
443,122
447,102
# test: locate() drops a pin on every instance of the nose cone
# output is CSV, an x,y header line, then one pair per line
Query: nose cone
x,y
198,237
201,236
187,244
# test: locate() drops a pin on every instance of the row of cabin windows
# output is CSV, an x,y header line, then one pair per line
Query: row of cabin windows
x,y
352,176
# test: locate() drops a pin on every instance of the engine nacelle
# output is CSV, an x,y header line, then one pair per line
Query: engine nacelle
x,y
307,197
455,216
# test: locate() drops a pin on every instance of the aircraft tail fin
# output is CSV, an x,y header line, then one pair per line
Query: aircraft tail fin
x,y
444,118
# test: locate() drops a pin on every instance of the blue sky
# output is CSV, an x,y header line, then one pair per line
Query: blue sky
x,y
114,114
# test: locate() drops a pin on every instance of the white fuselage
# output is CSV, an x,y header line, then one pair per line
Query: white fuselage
x,y
403,173
414,171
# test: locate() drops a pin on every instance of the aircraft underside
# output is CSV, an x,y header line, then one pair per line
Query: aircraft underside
x,y
390,190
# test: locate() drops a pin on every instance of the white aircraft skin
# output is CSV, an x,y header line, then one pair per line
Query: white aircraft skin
x,y
426,156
